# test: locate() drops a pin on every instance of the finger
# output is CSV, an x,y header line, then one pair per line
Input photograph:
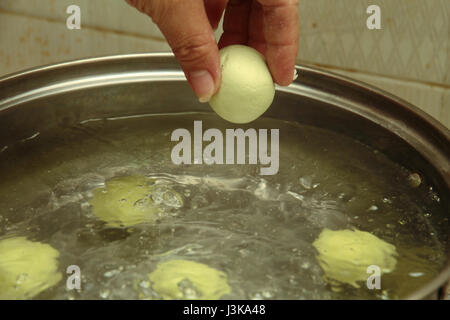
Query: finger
x,y
256,37
281,34
235,23
188,32
214,11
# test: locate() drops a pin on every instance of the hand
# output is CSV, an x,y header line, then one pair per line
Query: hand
x,y
269,26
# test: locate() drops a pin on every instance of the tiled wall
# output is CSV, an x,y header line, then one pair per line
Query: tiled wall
x,y
409,57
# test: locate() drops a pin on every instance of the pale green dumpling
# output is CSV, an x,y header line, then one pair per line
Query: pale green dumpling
x,y
26,268
247,89
344,255
184,279
130,200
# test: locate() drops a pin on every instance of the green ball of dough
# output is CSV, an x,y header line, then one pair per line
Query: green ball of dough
x,y
247,89
344,255
26,268
184,279
130,200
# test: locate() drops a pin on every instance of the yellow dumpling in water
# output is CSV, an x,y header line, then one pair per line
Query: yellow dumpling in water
x,y
247,89
26,268
184,279
130,200
344,255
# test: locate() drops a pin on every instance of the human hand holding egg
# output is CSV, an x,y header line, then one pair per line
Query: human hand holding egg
x,y
238,89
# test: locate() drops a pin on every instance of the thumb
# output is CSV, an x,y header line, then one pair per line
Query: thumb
x,y
187,29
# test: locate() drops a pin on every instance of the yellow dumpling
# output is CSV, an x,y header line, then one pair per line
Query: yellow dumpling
x,y
127,201
344,255
184,279
247,89
26,268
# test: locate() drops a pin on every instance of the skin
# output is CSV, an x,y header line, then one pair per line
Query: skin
x,y
269,26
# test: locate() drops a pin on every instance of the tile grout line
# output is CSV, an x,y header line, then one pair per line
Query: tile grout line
x,y
87,27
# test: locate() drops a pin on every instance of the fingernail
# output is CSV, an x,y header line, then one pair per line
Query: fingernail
x,y
203,84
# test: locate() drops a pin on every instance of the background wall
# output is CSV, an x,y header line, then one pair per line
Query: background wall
x,y
409,57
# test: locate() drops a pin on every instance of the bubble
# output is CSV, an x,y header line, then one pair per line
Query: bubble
x,y
306,182
104,293
144,284
415,180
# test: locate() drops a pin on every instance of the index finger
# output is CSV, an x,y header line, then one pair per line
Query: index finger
x,y
281,33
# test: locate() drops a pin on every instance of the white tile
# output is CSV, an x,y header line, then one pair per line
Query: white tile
x,y
37,42
114,15
413,44
103,14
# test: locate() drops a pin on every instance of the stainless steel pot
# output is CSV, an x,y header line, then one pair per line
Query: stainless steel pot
x,y
65,94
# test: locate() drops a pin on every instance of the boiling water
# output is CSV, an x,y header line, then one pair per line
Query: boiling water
x,y
257,229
